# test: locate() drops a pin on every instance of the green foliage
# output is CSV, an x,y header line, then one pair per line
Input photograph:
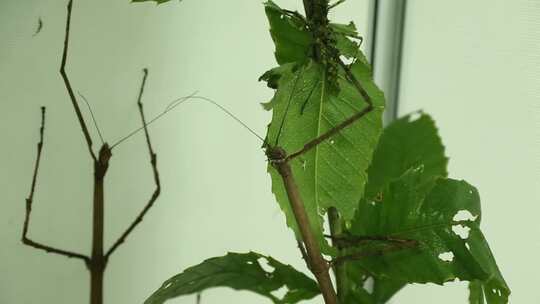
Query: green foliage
x,y
404,144
402,220
289,34
304,107
240,271
476,293
409,198
448,247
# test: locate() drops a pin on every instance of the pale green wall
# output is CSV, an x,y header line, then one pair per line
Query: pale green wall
x,y
473,64
216,192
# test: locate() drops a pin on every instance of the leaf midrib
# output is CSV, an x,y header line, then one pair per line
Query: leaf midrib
x,y
319,120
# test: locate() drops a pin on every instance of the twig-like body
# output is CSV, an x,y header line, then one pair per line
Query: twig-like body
x,y
25,239
317,264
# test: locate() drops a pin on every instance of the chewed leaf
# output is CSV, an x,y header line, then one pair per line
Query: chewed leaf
x,y
441,254
288,32
241,271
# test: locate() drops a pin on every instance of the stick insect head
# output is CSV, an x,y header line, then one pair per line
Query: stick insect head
x,y
275,154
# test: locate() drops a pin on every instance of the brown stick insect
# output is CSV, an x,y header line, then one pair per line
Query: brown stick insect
x,y
97,261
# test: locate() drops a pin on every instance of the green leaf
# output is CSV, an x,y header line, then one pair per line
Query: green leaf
x,y
240,271
476,293
405,143
384,289
346,46
289,35
334,173
445,223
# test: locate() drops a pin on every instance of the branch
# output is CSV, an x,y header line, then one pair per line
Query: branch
x,y
153,162
67,83
27,241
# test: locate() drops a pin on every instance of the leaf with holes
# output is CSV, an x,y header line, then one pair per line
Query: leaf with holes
x,y
409,141
240,271
445,224
334,173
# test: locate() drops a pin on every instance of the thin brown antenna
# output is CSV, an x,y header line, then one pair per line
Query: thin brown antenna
x,y
301,73
93,117
177,102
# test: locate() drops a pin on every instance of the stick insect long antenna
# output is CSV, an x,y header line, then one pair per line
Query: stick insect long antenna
x,y
93,117
296,80
177,102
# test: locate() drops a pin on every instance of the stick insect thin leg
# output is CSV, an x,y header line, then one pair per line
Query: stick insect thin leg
x,y
153,162
25,239
69,88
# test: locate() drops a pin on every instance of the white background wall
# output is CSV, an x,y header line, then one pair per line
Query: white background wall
x,y
472,65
